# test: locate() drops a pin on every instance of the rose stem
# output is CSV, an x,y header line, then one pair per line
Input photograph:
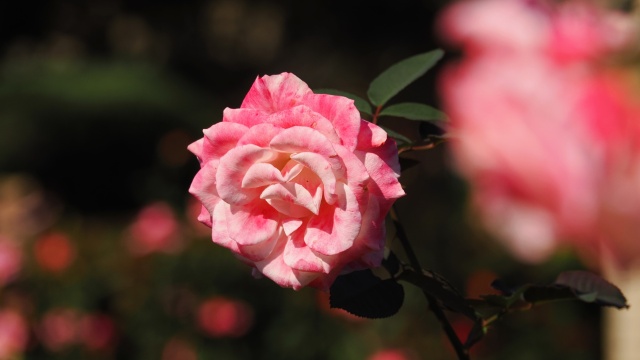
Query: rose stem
x,y
461,351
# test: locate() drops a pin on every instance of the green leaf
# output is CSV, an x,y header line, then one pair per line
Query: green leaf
x,y
363,294
401,138
391,81
438,287
590,287
415,111
361,104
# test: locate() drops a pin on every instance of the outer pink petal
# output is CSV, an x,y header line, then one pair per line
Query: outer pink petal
x,y
370,136
203,187
277,270
259,135
232,169
336,227
299,256
196,149
255,228
219,232
341,112
304,116
276,93
319,165
246,117
384,168
220,138
298,139
261,174
357,176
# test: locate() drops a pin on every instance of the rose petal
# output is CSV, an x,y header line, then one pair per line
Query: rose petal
x,y
305,117
291,199
370,136
247,117
219,232
299,256
291,169
254,228
341,112
336,227
261,174
384,168
319,165
259,135
276,93
220,138
357,177
300,139
275,269
232,169
289,225
203,187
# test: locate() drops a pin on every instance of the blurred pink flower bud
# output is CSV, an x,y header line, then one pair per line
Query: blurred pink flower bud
x,y
391,354
97,331
10,260
54,252
545,132
155,229
222,317
58,329
14,334
178,349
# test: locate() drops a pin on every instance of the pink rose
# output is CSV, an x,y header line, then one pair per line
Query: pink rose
x,y
155,229
296,184
58,328
10,260
54,252
546,134
222,317
14,334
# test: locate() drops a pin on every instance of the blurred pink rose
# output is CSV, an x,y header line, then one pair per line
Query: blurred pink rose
x,y
14,334
97,331
545,132
391,354
58,329
10,260
54,252
178,349
155,229
222,317
296,184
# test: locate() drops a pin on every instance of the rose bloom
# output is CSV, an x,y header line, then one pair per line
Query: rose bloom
x,y
545,131
296,184
222,317
155,229
97,331
178,349
391,354
14,334
59,329
10,260
54,252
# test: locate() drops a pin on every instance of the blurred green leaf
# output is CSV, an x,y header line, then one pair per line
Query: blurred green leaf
x,y
391,81
361,104
590,287
415,111
363,294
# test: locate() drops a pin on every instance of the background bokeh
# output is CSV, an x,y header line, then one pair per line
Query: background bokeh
x,y
100,254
